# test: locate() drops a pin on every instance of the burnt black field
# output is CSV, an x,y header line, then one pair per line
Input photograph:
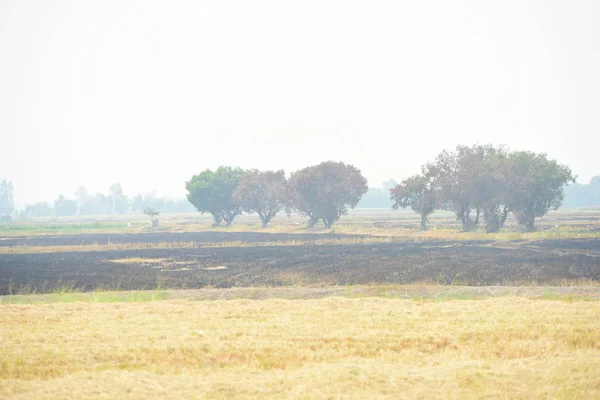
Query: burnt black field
x,y
478,263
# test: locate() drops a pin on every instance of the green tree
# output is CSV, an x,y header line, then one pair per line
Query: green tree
x,y
417,193
212,192
326,191
535,186
263,193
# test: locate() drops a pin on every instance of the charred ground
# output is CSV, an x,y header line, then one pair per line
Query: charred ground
x,y
269,260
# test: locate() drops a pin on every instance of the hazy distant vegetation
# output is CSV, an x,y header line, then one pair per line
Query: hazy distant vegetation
x,y
113,203
581,195
480,184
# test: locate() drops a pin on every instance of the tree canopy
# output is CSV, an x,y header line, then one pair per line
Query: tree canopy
x,y
535,186
326,191
264,193
417,193
493,181
212,192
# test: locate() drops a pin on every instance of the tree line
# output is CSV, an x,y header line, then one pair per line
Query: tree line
x,y
113,203
480,184
483,184
583,195
322,192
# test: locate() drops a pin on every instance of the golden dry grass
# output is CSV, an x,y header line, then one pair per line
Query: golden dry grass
x,y
335,347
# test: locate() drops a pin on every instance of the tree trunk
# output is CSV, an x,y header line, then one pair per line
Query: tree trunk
x,y
216,220
467,223
491,222
423,222
528,225
265,220
312,222
526,221
503,217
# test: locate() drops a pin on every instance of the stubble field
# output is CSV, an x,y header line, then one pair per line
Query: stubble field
x,y
508,347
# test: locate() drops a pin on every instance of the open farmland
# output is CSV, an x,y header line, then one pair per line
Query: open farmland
x,y
370,309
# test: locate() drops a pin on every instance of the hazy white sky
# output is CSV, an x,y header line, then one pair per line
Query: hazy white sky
x,y
147,93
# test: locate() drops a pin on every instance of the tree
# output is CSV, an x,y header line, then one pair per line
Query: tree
x,y
117,199
64,206
463,177
535,186
212,192
493,181
263,193
326,191
153,214
93,205
417,193
7,203
84,201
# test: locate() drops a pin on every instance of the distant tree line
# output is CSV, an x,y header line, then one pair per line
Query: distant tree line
x,y
378,197
113,203
480,184
580,195
7,203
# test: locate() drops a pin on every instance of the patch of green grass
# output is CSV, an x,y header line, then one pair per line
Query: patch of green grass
x,y
63,296
129,297
441,297
66,228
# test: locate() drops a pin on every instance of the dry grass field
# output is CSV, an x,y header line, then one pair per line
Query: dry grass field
x,y
334,347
